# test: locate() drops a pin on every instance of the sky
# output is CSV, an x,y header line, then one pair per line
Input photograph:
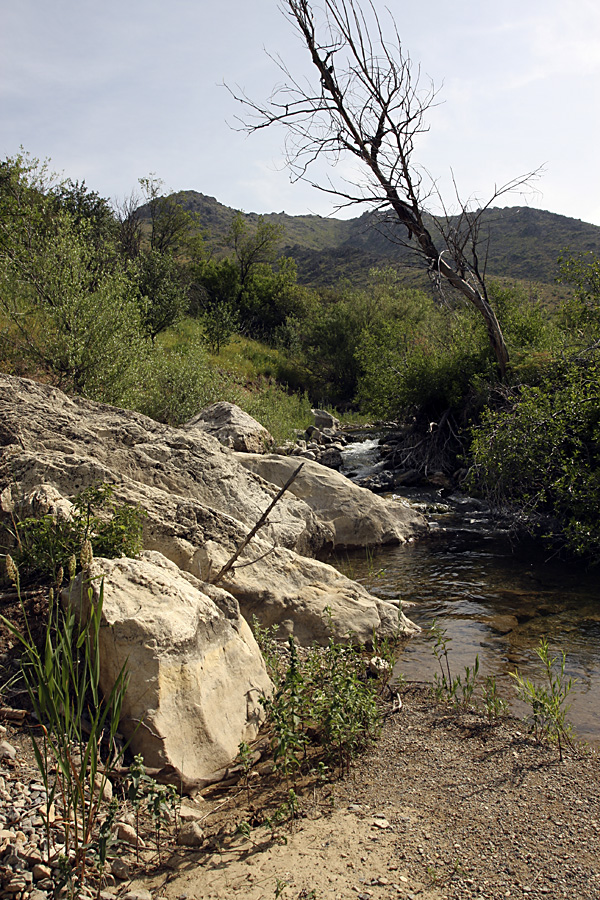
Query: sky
x,y
113,91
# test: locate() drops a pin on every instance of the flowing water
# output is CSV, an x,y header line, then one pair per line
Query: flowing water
x,y
495,599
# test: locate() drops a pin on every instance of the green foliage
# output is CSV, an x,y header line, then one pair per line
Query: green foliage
x,y
75,722
540,453
178,380
66,304
459,689
548,701
215,301
280,412
429,360
494,705
162,294
46,545
325,695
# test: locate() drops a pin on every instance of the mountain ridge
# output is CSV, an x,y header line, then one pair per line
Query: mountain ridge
x,y
524,242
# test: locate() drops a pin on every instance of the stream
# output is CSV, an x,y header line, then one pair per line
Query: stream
x,y
495,599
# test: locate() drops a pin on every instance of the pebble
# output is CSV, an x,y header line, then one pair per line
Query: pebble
x,y
23,851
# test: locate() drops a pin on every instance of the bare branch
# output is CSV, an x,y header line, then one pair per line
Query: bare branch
x,y
367,100
228,565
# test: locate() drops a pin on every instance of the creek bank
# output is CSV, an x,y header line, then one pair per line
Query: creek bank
x,y
200,503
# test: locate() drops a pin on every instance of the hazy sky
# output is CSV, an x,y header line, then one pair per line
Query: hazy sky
x,y
113,90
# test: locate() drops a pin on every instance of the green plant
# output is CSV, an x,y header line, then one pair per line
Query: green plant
x,y
344,704
45,545
75,721
467,685
325,695
280,886
285,711
459,689
548,701
162,802
444,684
265,638
493,704
244,757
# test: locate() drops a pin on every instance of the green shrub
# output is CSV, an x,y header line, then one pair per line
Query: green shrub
x,y
47,544
177,380
539,454
323,697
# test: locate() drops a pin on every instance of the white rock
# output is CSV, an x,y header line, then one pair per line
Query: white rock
x,y
232,427
190,835
296,594
7,751
128,835
196,674
120,869
356,516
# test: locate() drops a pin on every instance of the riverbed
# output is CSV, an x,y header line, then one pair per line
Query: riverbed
x,y
495,598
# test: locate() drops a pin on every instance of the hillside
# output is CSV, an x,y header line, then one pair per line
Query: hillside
x,y
524,243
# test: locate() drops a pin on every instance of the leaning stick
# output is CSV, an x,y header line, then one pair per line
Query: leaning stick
x,y
228,565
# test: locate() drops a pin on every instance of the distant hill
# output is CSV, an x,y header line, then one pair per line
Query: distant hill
x,y
524,243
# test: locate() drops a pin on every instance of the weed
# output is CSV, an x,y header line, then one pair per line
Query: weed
x,y
63,684
325,694
444,685
244,758
494,705
280,886
548,702
467,686
285,710
44,546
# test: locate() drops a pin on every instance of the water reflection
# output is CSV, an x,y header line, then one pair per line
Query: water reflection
x,y
495,600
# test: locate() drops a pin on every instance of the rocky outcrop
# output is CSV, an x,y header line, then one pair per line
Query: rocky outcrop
x,y
191,487
306,598
232,427
356,517
200,503
196,674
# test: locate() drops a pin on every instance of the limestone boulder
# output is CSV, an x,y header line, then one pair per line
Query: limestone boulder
x,y
303,597
232,427
196,674
323,419
356,516
191,486
200,503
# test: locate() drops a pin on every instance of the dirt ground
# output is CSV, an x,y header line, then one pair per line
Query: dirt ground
x,y
444,806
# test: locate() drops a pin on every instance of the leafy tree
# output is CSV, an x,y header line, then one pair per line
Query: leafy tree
x,y
247,291
537,450
67,307
581,312
217,290
162,290
170,224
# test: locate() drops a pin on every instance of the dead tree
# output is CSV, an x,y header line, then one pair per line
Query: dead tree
x,y
366,101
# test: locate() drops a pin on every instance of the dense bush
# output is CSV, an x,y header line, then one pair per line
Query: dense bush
x,y
537,449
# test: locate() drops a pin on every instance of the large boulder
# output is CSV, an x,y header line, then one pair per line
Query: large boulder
x,y
196,674
356,516
200,504
232,427
303,597
191,487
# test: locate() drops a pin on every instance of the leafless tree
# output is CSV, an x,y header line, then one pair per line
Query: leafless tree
x,y
367,101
